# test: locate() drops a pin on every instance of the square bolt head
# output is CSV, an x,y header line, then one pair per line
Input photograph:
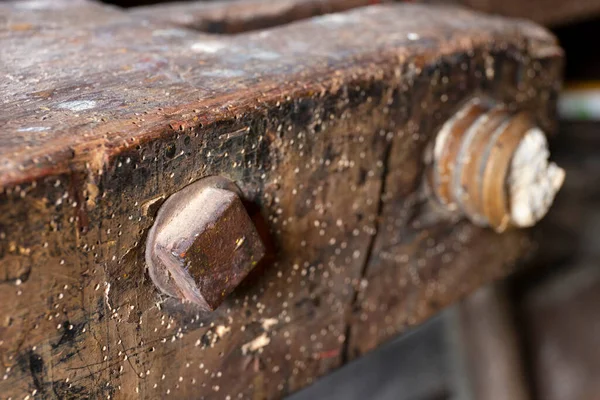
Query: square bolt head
x,y
225,250
202,245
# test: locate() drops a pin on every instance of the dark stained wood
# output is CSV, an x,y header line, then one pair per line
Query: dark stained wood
x,y
547,12
562,317
322,124
488,336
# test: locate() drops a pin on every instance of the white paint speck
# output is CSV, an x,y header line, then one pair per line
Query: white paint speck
x,y
267,323
35,5
208,47
413,36
335,19
170,33
221,330
265,55
33,129
78,105
256,344
222,73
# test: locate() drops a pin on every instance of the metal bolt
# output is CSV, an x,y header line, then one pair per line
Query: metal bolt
x,y
202,243
492,166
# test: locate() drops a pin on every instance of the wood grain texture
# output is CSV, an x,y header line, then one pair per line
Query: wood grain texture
x,y
235,16
322,126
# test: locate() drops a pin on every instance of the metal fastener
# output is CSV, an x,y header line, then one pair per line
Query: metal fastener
x,y
203,243
492,166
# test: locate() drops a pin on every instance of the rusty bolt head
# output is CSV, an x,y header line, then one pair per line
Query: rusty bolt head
x,y
492,166
202,243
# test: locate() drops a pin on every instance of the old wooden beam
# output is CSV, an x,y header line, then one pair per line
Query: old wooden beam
x,y
322,124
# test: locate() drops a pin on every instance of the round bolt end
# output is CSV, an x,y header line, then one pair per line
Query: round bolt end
x,y
491,165
533,181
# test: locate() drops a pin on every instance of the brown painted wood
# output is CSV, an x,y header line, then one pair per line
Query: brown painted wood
x,y
322,124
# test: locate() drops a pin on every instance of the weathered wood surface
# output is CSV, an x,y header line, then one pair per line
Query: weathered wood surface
x,y
234,16
321,123
243,15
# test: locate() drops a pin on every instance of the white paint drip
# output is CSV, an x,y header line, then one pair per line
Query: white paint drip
x,y
533,182
106,292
